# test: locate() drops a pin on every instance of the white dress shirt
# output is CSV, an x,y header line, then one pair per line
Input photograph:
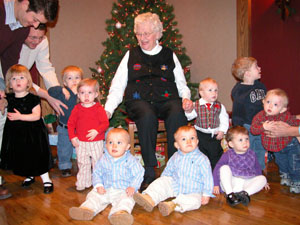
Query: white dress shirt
x,y
224,119
40,56
120,79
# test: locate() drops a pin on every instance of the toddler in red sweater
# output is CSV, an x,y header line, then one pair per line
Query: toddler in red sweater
x,y
86,126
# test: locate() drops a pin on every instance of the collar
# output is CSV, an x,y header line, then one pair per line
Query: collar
x,y
112,159
154,51
203,102
189,153
10,18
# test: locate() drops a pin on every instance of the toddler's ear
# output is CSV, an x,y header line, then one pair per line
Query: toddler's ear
x,y
230,144
283,109
176,145
128,147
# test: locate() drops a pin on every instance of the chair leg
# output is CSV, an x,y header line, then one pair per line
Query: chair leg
x,y
131,134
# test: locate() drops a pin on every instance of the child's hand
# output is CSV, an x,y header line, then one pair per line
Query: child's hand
x,y
216,190
130,191
66,93
267,187
92,134
75,142
205,200
220,135
2,94
3,105
187,105
101,190
14,116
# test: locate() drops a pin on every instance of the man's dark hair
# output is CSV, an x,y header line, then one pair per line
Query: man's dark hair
x,y
49,7
42,26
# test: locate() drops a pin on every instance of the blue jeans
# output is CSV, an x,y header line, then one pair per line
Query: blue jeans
x,y
257,147
288,160
64,149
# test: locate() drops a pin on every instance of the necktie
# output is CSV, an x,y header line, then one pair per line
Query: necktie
x,y
208,106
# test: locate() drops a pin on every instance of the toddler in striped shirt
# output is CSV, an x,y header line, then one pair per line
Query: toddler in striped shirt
x,y
187,177
117,176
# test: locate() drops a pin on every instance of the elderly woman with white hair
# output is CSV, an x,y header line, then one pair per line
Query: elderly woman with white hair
x,y
155,88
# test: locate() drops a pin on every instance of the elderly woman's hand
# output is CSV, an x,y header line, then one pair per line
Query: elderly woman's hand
x,y
187,105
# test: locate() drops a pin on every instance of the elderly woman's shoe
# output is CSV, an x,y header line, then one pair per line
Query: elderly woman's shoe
x,y
48,187
28,181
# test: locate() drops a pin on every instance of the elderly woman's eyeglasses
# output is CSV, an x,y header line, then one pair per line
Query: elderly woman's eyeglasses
x,y
146,34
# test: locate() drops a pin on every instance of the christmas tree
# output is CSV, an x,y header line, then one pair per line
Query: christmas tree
x,y
122,38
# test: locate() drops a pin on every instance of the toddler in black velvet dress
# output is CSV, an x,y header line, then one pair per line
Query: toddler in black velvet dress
x,y
25,147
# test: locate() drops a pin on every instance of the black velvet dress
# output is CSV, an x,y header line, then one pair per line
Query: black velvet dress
x,y
25,146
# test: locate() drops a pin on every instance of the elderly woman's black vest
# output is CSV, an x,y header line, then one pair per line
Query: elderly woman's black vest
x,y
151,77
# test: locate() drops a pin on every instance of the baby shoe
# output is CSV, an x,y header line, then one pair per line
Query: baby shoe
x,y
285,179
166,208
232,199
121,218
144,200
244,197
77,213
295,187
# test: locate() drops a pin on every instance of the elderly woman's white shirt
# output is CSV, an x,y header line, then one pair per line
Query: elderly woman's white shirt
x,y
119,82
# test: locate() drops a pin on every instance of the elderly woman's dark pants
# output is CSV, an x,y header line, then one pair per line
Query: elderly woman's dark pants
x,y
146,116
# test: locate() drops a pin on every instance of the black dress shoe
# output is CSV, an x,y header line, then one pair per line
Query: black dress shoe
x,y
244,197
27,183
146,182
48,187
232,199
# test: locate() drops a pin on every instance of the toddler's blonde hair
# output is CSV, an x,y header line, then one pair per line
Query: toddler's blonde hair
x,y
71,68
280,93
18,70
241,65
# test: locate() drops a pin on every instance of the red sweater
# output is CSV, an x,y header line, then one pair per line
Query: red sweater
x,y
83,119
272,144
10,42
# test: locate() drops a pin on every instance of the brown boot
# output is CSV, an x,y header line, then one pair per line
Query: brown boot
x,y
144,200
121,218
77,213
166,208
4,193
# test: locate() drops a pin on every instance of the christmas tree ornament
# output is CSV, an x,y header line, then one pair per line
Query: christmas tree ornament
x,y
99,69
118,25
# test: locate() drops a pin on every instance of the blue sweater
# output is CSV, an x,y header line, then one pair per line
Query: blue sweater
x,y
56,92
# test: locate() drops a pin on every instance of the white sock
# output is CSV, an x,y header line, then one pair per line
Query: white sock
x,y
45,177
28,178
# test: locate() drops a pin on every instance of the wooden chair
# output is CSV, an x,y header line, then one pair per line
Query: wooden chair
x,y
161,136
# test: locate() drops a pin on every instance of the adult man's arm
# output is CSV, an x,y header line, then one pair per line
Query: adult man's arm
x,y
282,129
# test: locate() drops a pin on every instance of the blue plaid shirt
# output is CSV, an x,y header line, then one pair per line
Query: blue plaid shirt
x,y
191,173
119,174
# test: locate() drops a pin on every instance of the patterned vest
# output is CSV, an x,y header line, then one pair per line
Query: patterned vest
x,y
151,77
208,118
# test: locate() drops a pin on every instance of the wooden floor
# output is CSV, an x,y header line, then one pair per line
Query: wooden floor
x,y
31,206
